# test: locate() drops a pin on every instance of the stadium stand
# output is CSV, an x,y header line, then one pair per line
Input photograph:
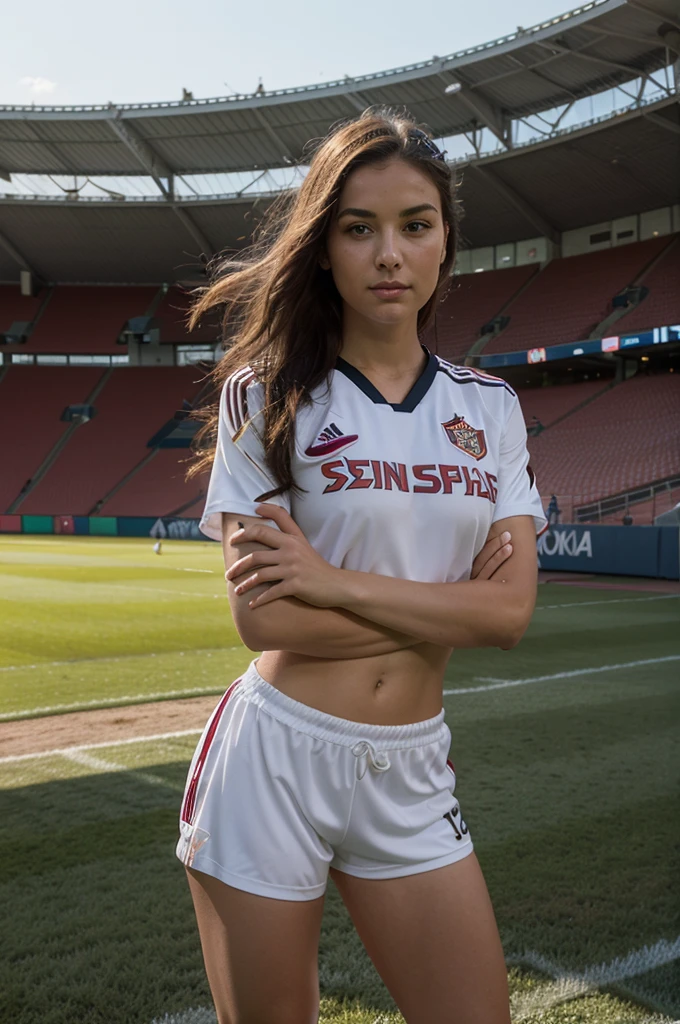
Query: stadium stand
x,y
160,488
662,305
195,510
623,439
572,296
551,403
474,300
563,302
171,313
133,405
32,399
15,306
87,319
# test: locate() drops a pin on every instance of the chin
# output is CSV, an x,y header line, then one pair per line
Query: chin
x,y
391,312
385,320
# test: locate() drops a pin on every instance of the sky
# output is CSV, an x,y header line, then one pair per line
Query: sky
x,y
140,51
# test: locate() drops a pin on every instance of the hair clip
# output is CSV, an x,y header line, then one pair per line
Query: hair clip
x,y
419,136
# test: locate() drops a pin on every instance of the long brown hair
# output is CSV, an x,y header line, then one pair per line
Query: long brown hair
x,y
283,313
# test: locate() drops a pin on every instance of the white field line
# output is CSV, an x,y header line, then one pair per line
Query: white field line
x,y
164,590
200,1015
471,689
501,684
153,654
494,684
129,700
615,600
567,984
570,604
571,984
99,764
115,657
67,751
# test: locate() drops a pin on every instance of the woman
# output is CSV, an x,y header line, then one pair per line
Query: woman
x,y
359,485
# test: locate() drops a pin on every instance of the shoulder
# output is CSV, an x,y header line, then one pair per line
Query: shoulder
x,y
467,375
241,397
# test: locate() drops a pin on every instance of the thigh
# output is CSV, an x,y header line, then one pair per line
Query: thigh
x,y
434,941
260,954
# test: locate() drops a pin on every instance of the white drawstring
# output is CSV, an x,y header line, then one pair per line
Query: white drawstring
x,y
379,760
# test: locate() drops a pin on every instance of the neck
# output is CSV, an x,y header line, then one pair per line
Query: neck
x,y
388,349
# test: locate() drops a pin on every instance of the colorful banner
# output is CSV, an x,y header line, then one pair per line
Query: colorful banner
x,y
652,551
612,550
614,343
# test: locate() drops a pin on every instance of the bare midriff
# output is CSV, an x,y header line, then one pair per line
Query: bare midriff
x,y
387,689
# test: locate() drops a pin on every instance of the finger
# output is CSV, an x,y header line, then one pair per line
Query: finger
x,y
495,561
244,584
485,570
248,562
262,534
281,517
490,548
281,589
266,574
482,557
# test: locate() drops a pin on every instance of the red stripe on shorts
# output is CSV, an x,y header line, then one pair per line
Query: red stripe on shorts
x,y
189,805
451,765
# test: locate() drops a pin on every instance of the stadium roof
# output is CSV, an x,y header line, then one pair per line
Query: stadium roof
x,y
590,49
622,163
629,163
609,168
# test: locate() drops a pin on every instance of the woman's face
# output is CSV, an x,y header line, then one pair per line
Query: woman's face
x,y
387,229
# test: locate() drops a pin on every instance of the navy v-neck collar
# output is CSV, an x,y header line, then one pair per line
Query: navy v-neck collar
x,y
413,398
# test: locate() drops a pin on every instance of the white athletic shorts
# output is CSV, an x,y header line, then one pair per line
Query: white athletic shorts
x,y
278,791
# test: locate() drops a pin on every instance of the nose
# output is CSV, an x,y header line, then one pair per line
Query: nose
x,y
388,256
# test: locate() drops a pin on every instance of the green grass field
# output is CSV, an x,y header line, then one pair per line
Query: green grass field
x,y
567,780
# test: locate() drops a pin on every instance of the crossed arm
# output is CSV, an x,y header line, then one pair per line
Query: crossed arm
x,y
375,614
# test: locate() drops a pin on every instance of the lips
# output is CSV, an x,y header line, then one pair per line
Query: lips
x,y
389,289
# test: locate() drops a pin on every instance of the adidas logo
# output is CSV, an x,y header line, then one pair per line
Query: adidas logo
x,y
330,440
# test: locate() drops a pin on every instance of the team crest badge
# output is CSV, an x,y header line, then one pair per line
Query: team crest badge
x,y
465,437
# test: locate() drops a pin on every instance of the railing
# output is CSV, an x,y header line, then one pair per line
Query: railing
x,y
657,497
60,359
185,355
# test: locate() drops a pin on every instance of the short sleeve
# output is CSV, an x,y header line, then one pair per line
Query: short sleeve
x,y
517,490
239,472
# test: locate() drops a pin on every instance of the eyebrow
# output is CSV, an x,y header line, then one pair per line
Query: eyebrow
x,y
353,211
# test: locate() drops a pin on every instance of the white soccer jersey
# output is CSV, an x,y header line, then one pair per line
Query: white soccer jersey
x,y
405,489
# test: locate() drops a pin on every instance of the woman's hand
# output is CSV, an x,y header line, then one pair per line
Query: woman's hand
x,y
496,550
294,569
290,564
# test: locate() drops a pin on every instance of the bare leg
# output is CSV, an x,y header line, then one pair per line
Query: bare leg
x,y
434,941
260,954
